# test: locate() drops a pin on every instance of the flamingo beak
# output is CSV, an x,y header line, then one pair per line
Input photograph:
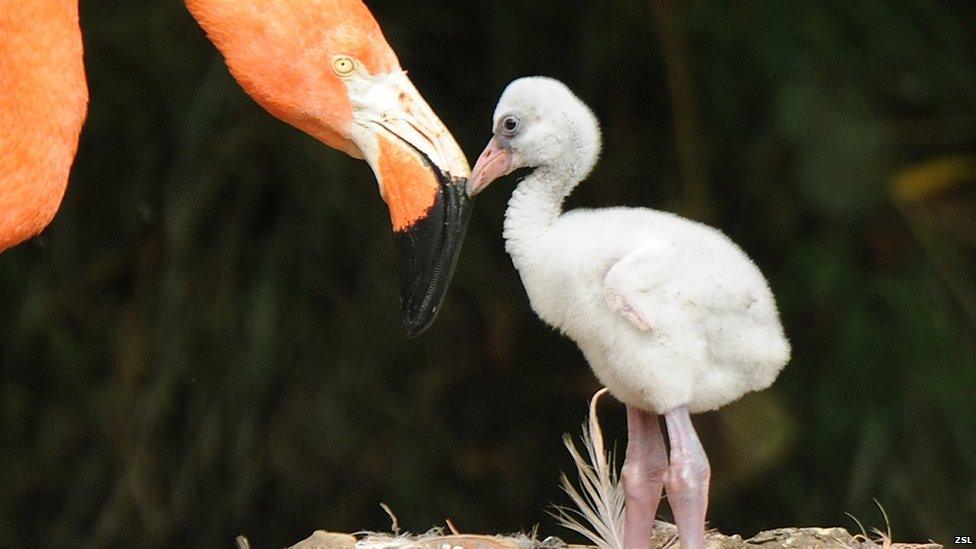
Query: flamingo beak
x,y
495,161
422,173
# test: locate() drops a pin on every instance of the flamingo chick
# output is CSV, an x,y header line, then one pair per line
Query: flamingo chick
x,y
671,315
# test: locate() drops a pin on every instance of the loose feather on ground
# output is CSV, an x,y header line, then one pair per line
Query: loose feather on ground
x,y
599,513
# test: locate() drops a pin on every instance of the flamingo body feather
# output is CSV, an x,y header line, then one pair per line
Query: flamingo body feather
x,y
713,334
43,103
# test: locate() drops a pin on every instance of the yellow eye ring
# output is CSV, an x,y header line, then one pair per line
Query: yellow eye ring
x,y
343,65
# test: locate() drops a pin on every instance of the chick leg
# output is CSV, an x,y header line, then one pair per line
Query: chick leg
x,y
686,480
643,476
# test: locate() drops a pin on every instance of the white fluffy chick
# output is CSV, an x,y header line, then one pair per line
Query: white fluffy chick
x,y
671,315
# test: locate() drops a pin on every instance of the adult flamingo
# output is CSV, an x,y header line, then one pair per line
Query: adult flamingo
x,y
325,67
43,101
320,65
672,316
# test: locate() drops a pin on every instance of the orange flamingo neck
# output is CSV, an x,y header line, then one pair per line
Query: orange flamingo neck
x,y
43,102
281,51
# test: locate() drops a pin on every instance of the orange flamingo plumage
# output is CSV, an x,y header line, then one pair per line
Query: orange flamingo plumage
x,y
43,102
322,66
325,67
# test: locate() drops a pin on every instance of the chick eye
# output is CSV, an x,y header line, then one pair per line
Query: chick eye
x,y
510,125
343,65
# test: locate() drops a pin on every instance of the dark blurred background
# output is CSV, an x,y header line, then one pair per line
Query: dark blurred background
x,y
206,341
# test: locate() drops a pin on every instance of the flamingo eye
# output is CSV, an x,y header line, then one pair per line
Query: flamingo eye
x,y
510,125
343,65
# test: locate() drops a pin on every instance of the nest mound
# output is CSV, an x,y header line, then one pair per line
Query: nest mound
x,y
665,537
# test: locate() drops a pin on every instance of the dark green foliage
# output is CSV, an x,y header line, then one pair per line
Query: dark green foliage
x,y
206,341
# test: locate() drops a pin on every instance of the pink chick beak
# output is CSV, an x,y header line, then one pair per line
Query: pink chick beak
x,y
494,162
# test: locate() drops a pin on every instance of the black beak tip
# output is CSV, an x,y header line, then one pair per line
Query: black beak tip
x,y
427,253
418,324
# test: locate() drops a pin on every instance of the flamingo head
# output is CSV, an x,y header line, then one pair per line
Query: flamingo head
x,y
539,124
325,67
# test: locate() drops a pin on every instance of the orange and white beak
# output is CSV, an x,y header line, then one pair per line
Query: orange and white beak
x,y
421,172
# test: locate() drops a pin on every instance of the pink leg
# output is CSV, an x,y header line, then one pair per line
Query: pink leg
x,y
643,477
687,479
